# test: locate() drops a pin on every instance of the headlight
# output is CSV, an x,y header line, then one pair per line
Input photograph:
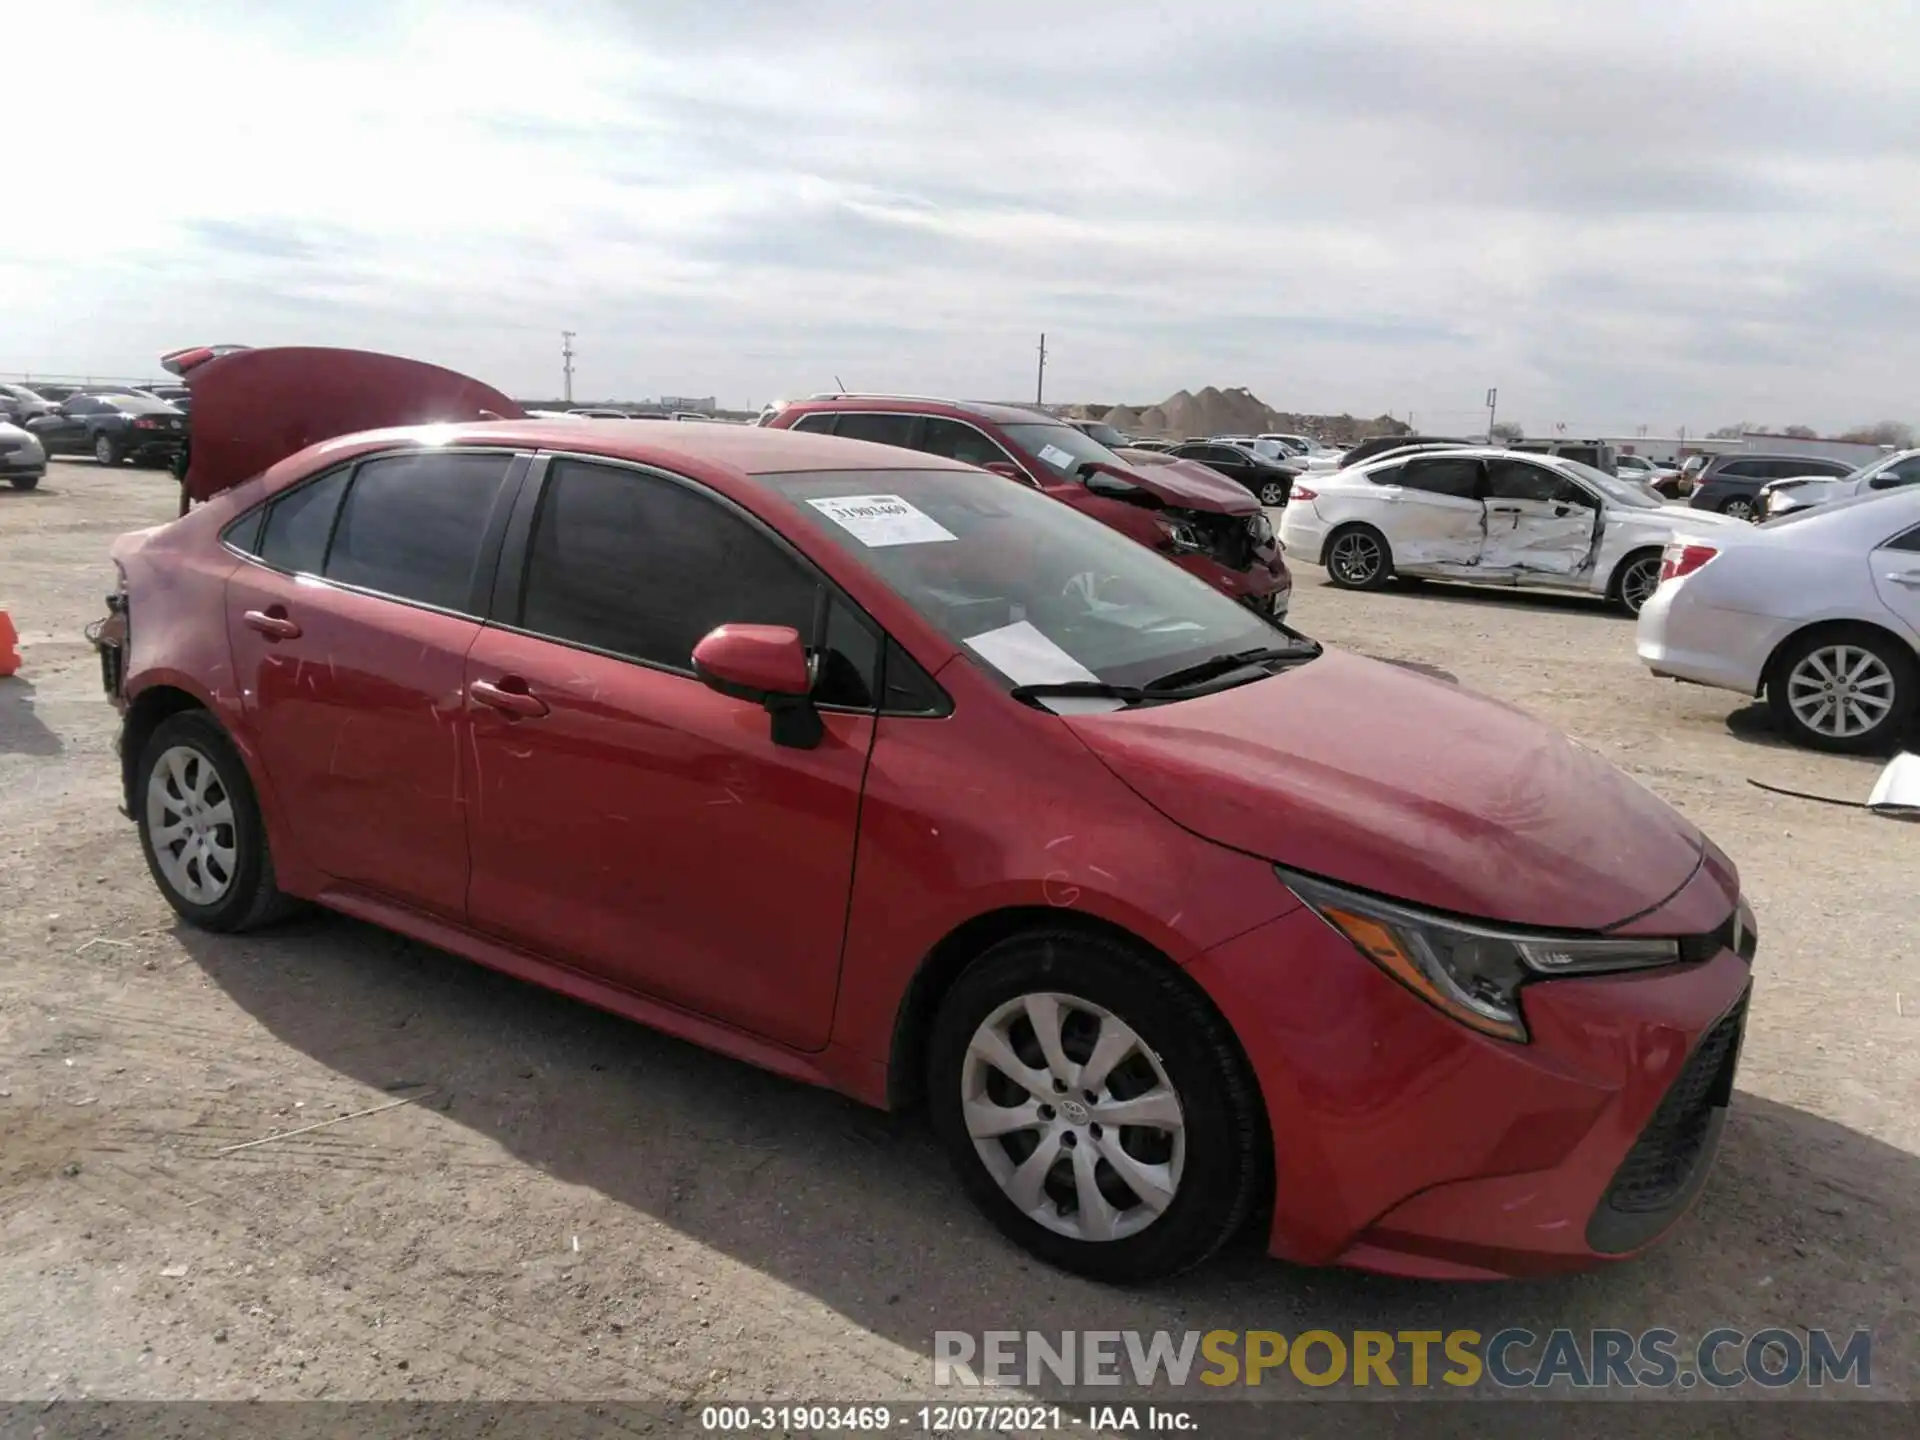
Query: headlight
x,y
1261,529
1470,972
1178,535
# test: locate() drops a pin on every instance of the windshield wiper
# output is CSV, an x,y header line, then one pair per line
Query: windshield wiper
x,y
1221,665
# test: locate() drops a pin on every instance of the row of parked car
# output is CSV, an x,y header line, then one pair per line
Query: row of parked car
x,y
112,423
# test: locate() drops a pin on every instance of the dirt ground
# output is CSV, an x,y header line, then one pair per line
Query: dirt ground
x,y
582,1208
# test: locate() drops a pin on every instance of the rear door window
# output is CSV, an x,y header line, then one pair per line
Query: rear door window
x,y
412,525
299,522
1443,475
1740,470
881,429
819,422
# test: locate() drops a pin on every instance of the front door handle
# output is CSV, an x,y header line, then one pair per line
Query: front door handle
x,y
510,696
274,626
1504,509
1905,577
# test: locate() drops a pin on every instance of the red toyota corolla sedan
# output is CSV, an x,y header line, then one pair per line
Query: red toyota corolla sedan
x,y
898,777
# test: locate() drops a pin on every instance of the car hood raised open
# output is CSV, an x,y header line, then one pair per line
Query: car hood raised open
x,y
1409,787
1187,484
253,408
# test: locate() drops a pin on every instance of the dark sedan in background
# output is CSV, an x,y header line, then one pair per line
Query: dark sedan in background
x,y
114,428
1269,480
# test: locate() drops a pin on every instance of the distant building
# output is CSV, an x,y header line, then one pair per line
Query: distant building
x,y
1669,449
704,403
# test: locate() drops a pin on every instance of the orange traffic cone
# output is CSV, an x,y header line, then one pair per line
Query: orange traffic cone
x,y
9,645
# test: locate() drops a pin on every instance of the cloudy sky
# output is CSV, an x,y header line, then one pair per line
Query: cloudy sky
x,y
1688,212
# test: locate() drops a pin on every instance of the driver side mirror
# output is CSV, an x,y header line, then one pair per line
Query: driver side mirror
x,y
1008,470
767,666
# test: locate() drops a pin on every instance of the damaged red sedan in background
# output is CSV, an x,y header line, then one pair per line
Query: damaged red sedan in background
x,y
898,777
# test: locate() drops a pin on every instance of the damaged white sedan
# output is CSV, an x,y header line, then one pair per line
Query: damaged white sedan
x,y
1488,516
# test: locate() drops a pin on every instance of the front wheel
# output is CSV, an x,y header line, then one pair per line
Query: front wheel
x,y
1095,1107
1358,558
23,482
1848,691
200,827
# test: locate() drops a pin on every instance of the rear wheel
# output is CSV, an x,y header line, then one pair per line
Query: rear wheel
x,y
1095,1107
1273,492
1738,507
200,827
1851,691
1358,558
23,482
1636,580
106,450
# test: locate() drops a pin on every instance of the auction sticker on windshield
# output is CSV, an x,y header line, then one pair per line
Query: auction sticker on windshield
x,y
877,521
1056,457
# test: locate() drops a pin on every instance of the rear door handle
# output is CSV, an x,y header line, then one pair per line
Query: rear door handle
x,y
274,627
1504,509
510,696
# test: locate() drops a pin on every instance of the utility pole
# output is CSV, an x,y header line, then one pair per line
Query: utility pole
x,y
1493,400
1040,380
566,362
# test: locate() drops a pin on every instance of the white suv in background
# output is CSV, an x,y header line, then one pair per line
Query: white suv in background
x,y
1487,515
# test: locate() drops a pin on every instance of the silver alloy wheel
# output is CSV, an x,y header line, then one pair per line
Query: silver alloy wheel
x,y
1273,493
190,825
1073,1116
1639,583
1738,508
1356,558
103,450
1840,691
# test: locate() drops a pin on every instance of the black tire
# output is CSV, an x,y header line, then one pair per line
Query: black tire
x,y
1786,680
106,450
1273,492
23,482
1349,571
1225,1140
1625,590
1739,507
250,898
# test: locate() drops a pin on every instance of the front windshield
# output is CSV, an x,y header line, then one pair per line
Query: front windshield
x,y
1061,448
1033,590
1619,491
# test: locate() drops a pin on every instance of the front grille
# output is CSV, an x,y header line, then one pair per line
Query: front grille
x,y
1657,1170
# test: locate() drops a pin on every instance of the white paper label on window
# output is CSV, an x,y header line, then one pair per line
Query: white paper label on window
x,y
1058,458
1027,657
881,520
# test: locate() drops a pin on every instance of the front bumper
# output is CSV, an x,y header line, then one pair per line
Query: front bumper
x,y
1406,1144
